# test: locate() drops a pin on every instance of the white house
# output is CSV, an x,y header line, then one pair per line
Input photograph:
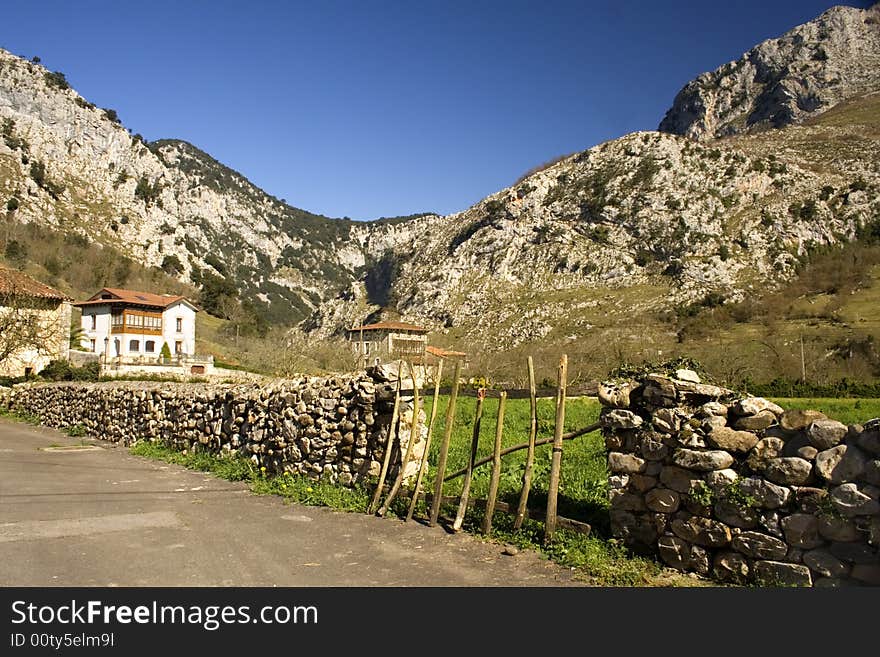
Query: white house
x,y
132,326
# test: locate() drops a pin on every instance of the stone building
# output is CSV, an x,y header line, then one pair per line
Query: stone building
x,y
386,341
34,324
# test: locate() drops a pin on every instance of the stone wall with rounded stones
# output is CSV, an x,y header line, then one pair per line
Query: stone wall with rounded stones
x,y
738,488
317,426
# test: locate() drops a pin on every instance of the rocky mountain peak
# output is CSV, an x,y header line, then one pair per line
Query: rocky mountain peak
x,y
785,80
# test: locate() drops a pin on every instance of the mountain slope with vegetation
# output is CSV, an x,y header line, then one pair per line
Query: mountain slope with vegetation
x,y
723,226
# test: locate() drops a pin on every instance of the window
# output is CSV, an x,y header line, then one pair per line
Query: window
x,y
94,345
179,325
178,347
116,319
150,346
134,345
94,319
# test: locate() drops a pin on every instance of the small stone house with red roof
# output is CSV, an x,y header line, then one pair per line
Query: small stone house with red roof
x,y
129,325
386,341
34,324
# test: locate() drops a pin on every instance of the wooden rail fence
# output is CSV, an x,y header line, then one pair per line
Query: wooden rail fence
x,y
434,500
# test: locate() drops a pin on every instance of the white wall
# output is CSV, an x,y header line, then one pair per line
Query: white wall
x,y
169,327
102,328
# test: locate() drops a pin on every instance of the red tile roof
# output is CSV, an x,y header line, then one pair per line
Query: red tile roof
x,y
391,326
132,297
19,284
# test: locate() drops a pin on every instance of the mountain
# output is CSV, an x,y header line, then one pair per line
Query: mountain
x,y
785,80
744,185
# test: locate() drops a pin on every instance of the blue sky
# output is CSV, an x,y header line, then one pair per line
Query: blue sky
x,y
368,109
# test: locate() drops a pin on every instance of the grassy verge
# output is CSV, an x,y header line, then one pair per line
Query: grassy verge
x,y
848,411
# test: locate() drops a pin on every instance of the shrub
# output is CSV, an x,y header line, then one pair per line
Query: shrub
x,y
171,265
56,80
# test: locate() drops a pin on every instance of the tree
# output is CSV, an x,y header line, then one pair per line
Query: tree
x,y
165,352
25,326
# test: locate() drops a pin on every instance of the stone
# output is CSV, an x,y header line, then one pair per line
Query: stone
x,y
687,375
675,552
850,501
766,494
802,531
825,564
659,391
788,470
730,567
763,451
614,395
735,515
840,464
807,452
712,409
867,573
797,419
652,448
835,528
625,463
721,479
623,501
618,481
869,441
777,573
665,420
731,440
763,420
855,552
510,550
712,423
825,434
642,483
636,531
702,531
678,479
754,405
809,499
619,418
702,461
699,560
759,546
663,500
871,472
653,468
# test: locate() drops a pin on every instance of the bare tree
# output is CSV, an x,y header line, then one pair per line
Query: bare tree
x,y
27,324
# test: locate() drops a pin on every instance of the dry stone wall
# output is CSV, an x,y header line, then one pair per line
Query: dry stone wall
x,y
740,489
334,427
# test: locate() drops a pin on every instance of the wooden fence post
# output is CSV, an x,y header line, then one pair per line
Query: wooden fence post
x,y
496,467
424,464
556,463
444,448
414,426
530,456
392,431
466,484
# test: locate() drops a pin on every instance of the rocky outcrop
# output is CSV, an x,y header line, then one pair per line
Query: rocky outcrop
x,y
784,80
742,506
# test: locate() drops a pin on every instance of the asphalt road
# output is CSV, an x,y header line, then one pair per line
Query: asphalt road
x,y
104,517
